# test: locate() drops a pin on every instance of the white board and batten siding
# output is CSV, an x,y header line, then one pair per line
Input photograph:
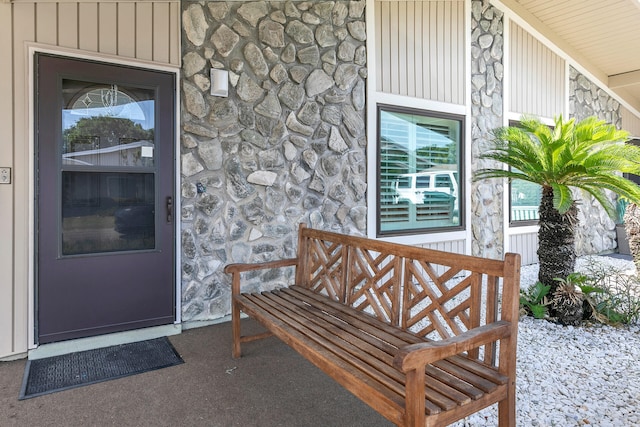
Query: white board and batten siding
x,y
630,123
420,48
526,244
537,76
146,32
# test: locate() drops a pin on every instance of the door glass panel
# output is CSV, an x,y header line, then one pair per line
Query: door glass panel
x,y
108,168
107,125
107,212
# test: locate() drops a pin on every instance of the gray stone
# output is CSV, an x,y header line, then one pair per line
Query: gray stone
x,y
330,57
310,18
293,192
359,188
298,173
218,10
265,178
352,120
211,153
242,30
271,33
356,8
278,16
317,183
485,40
358,215
335,98
357,30
237,185
203,82
361,56
255,59
291,10
338,191
309,55
188,190
225,39
331,165
496,49
188,141
336,141
195,24
290,151
291,95
299,73
325,36
491,81
316,220
310,113
346,75
340,12
199,130
295,126
252,12
301,33
248,90
341,33
318,82
271,160
194,100
192,63
278,74
188,244
298,141
269,107
254,138
224,113
358,95
332,114
346,51
209,204
323,9
187,212
310,157
288,54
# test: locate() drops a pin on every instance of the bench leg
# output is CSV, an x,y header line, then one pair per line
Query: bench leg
x,y
235,327
507,408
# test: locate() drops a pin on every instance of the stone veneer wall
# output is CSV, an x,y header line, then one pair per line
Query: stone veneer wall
x,y
596,233
287,146
486,114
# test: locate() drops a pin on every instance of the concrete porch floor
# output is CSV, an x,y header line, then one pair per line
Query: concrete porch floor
x,y
271,385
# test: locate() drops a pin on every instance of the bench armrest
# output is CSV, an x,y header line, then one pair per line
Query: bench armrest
x,y
236,269
417,356
240,267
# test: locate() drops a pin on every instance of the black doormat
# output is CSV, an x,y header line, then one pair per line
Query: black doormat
x,y
44,376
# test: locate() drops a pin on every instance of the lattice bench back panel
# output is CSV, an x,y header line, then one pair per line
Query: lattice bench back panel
x,y
433,299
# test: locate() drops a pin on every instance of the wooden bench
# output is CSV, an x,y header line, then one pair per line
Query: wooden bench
x,y
421,336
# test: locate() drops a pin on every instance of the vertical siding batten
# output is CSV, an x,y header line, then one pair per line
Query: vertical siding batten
x,y
68,25
107,32
24,29
7,284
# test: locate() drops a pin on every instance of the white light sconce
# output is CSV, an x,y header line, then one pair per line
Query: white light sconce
x,y
219,82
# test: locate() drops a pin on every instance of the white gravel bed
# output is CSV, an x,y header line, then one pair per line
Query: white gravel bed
x,y
573,376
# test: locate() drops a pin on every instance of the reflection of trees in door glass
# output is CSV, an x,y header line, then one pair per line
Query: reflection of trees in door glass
x,y
107,125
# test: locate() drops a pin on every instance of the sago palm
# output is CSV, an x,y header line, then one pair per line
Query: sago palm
x,y
588,155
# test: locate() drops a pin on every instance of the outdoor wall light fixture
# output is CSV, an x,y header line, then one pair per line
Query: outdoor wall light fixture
x,y
219,82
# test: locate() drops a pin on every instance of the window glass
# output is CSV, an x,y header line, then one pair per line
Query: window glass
x,y
419,171
524,200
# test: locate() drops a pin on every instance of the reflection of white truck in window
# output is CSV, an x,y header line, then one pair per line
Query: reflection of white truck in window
x,y
422,187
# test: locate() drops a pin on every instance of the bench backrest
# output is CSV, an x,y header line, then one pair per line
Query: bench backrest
x,y
431,293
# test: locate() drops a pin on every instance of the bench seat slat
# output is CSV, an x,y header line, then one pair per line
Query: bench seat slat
x,y
385,333
390,405
383,373
443,387
439,393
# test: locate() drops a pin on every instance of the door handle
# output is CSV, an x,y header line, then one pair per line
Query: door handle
x,y
169,209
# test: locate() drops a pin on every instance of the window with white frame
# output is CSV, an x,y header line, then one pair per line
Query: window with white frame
x,y
419,171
